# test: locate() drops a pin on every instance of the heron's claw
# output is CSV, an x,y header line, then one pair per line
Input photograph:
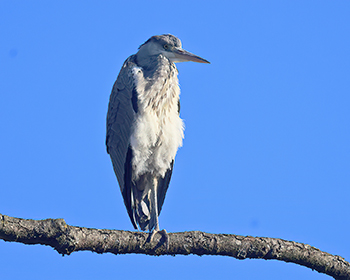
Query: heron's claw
x,y
164,234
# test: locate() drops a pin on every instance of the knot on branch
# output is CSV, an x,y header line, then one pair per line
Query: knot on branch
x,y
58,235
51,232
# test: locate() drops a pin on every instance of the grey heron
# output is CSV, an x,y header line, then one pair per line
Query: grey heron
x,y
144,129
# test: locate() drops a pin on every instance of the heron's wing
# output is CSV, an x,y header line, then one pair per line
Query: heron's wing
x,y
120,117
163,184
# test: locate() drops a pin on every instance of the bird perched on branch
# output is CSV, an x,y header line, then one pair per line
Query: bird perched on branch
x,y
144,129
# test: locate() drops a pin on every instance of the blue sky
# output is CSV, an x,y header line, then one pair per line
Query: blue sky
x,y
266,149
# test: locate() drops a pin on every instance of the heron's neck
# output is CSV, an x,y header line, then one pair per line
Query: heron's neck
x,y
150,61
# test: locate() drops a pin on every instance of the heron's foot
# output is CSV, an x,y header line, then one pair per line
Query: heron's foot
x,y
164,234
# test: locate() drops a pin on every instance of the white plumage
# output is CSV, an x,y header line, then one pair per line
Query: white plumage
x,y
158,130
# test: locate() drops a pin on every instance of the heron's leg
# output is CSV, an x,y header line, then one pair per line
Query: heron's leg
x,y
155,216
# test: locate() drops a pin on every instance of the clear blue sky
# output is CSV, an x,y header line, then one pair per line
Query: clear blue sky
x,y
267,140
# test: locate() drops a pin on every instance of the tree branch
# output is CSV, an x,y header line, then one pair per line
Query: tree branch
x,y
66,239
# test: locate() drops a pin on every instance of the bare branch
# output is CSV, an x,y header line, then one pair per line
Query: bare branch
x,y
67,239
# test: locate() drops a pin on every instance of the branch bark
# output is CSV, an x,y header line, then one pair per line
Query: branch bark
x,y
66,239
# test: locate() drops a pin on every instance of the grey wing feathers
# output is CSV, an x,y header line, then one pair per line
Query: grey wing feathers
x,y
120,118
163,184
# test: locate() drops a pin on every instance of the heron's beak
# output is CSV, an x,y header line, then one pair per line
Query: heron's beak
x,y
181,55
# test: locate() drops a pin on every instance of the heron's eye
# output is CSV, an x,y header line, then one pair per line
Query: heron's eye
x,y
166,47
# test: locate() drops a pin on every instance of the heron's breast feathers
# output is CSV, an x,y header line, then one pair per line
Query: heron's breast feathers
x,y
157,132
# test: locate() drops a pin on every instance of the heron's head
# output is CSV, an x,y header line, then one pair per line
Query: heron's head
x,y
169,46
